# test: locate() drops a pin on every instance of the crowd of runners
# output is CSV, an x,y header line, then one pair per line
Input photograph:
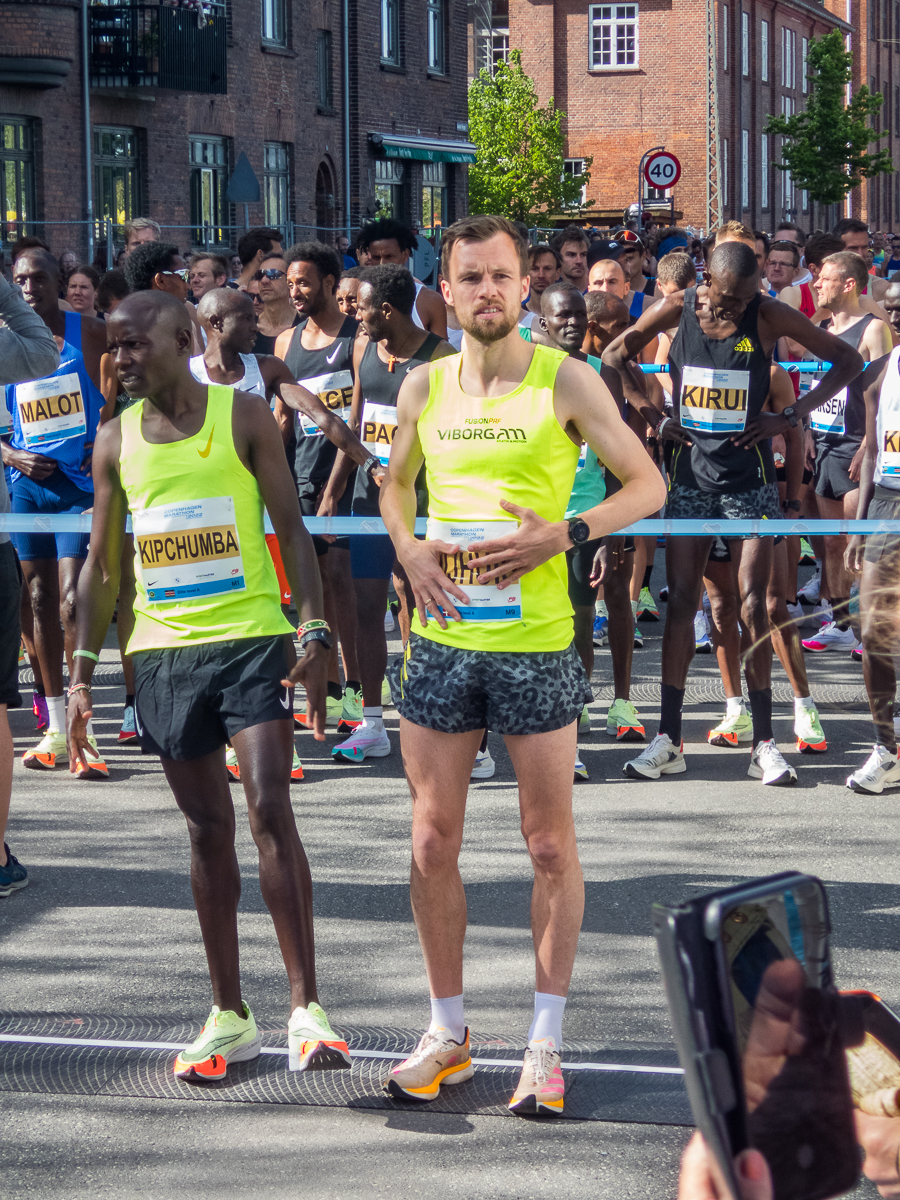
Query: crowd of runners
x,y
513,408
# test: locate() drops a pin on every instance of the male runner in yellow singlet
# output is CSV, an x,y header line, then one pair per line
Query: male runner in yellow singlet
x,y
196,464
498,429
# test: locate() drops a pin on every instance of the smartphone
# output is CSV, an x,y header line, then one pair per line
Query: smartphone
x,y
758,1026
874,1064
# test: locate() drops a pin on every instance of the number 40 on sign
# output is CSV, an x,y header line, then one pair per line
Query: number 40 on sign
x,y
662,170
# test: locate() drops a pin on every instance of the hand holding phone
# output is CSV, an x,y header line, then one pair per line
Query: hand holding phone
x,y
699,1179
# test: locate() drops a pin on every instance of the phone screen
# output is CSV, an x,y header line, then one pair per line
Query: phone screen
x,y
784,1011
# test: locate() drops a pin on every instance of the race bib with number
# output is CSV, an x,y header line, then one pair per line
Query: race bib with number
x,y
829,417
714,401
379,425
335,390
51,410
890,453
188,550
486,602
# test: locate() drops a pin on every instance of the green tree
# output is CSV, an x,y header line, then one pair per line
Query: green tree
x,y
519,170
825,147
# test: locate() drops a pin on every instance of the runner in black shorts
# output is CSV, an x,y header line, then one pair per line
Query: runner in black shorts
x,y
722,337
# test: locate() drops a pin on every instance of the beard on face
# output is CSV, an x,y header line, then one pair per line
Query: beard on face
x,y
487,334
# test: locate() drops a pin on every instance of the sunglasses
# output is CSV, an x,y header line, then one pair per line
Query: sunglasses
x,y
256,298
182,274
270,273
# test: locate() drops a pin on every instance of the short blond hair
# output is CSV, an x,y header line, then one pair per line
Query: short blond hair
x,y
735,231
481,229
677,267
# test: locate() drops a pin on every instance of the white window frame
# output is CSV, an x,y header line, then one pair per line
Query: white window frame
x,y
390,32
725,172
436,18
724,37
611,27
575,167
764,51
804,56
788,58
745,169
745,43
274,22
764,170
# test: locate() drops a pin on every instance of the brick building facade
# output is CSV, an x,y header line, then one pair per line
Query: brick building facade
x,y
176,98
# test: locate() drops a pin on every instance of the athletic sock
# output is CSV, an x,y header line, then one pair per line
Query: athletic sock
x,y
352,685
373,718
334,691
761,711
447,1013
129,700
734,706
548,1016
39,689
670,712
56,710
483,746
801,702
647,573
600,609
841,605
634,608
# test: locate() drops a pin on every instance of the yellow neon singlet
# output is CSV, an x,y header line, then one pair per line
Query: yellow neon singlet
x,y
480,450
203,571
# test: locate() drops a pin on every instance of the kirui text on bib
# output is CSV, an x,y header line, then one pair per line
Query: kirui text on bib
x,y
714,401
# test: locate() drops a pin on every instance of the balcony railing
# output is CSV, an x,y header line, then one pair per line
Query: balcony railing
x,y
137,45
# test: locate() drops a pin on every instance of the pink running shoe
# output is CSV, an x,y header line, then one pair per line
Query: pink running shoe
x,y
541,1084
39,708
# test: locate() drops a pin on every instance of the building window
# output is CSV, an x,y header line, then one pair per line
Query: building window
x,y
896,129
209,178
17,165
573,168
435,17
764,51
117,174
390,32
274,26
804,56
745,43
614,36
434,195
724,38
277,183
764,170
324,75
804,200
389,179
788,58
745,168
725,171
896,26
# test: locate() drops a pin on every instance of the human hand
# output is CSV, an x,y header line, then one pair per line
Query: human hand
x,y
880,1139
700,1178
431,585
80,711
34,466
853,555
670,430
506,559
312,671
856,465
762,427
609,556
328,506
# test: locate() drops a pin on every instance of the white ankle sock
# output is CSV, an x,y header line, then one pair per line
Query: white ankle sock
x,y
734,706
548,1015
803,702
56,710
90,729
373,719
447,1013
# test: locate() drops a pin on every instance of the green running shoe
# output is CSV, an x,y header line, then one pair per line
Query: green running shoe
x,y
312,1043
809,732
646,609
623,722
352,705
807,554
225,1038
584,721
732,730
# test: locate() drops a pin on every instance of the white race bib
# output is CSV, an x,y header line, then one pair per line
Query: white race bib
x,y
714,401
379,425
335,390
890,453
188,550
487,602
829,417
51,410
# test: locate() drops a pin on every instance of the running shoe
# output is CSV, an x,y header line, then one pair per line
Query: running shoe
x,y
638,639
807,554
387,697
897,727
795,611
856,654
732,730
822,613
437,1059
809,593
880,769
21,652
623,722
541,1087
702,644
768,764
830,637
312,1043
231,765
49,751
809,732
484,767
128,732
580,768
664,593
296,768
584,721
334,708
12,874
389,620
352,711
363,743
646,609
661,757
41,713
96,768
225,1038
601,625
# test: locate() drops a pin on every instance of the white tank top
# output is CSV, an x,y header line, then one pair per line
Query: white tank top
x,y
887,461
251,381
415,312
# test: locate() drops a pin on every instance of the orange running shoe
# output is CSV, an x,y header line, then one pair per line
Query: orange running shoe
x,y
437,1059
224,1039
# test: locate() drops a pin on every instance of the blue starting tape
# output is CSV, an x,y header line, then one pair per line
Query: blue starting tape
x,y
798,368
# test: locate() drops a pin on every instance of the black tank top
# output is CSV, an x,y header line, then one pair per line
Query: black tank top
x,y
381,386
840,423
718,386
328,373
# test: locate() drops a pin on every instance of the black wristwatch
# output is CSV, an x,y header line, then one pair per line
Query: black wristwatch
x,y
792,416
317,635
579,531
371,464
793,505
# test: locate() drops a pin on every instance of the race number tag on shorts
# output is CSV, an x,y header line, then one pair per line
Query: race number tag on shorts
x,y
188,550
890,453
487,602
714,401
335,390
51,410
829,417
379,425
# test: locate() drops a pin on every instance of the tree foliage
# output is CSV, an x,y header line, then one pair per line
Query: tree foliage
x,y
825,147
519,170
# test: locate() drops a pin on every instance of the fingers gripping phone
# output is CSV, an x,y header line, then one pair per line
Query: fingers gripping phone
x,y
757,1022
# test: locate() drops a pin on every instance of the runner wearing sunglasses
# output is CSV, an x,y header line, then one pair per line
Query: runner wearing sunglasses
x,y
275,310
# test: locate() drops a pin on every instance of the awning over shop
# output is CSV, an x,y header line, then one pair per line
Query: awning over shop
x,y
422,148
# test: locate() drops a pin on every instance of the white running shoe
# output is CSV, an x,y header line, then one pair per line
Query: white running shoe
x,y
768,764
389,621
897,727
661,757
795,611
822,612
880,769
830,637
702,644
364,742
580,768
484,765
810,593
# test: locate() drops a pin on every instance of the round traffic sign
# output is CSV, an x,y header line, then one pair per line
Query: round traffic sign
x,y
662,170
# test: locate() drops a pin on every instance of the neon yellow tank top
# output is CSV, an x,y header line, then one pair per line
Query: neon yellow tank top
x,y
480,450
203,571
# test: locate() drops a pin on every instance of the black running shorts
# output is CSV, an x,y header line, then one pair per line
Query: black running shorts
x,y
10,634
192,700
884,506
832,473
455,691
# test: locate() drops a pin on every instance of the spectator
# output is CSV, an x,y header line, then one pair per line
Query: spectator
x,y
139,231
112,290
81,290
254,246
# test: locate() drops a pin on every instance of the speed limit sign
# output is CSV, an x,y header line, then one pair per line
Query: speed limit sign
x,y
662,170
